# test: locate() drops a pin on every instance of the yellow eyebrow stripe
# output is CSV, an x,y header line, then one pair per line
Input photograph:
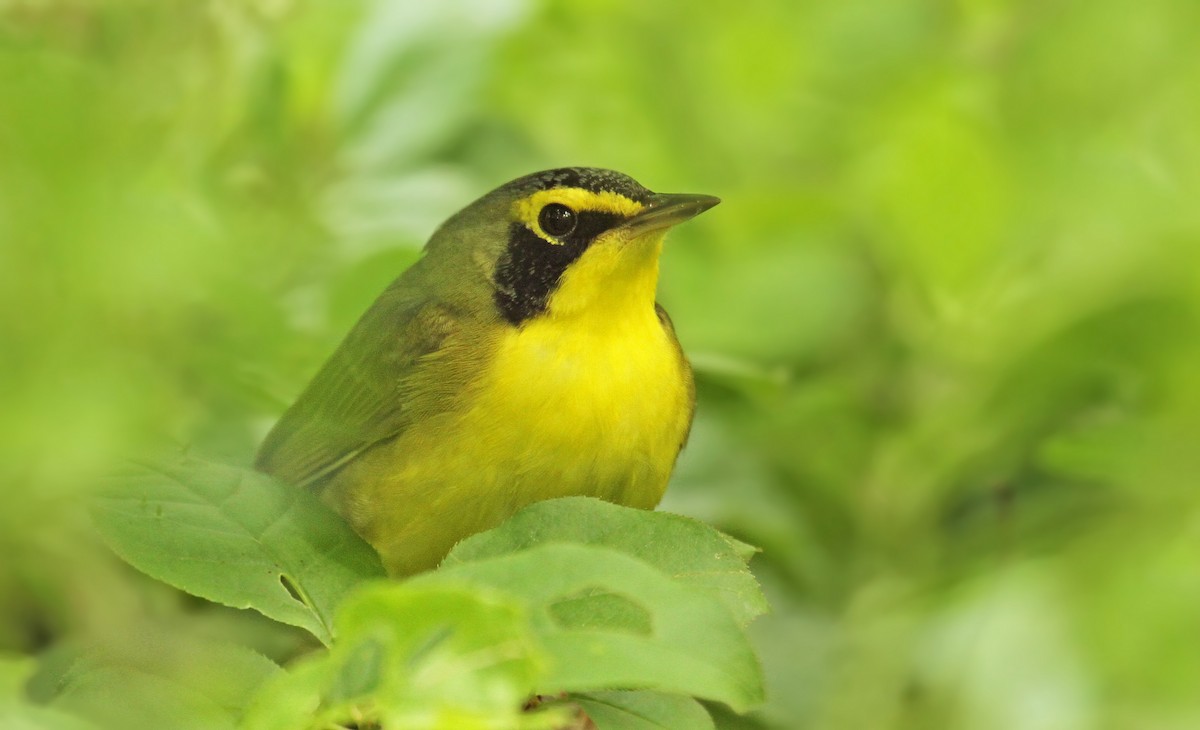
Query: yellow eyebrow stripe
x,y
577,199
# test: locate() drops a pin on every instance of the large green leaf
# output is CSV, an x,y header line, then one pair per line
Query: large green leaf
x,y
656,632
643,711
123,698
163,678
419,657
686,549
236,537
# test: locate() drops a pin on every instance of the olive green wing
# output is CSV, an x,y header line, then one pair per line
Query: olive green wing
x,y
357,399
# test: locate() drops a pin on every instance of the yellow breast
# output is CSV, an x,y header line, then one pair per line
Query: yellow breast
x,y
601,409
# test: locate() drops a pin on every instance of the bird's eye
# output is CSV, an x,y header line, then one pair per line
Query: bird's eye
x,y
557,219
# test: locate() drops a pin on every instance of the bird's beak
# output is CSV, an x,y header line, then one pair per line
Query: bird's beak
x,y
664,210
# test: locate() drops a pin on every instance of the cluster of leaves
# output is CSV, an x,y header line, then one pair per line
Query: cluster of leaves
x,y
624,614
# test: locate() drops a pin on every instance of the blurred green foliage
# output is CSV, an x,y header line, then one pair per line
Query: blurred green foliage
x,y
945,320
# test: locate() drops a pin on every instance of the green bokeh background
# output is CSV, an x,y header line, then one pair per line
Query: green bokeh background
x,y
945,322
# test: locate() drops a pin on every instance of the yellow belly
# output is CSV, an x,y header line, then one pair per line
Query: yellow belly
x,y
599,411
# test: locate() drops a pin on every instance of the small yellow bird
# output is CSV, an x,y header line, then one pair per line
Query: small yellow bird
x,y
522,358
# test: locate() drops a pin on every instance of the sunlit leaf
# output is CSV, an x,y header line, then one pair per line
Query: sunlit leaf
x,y
17,713
429,657
664,634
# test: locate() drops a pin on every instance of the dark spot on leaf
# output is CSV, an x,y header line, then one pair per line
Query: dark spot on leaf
x,y
596,608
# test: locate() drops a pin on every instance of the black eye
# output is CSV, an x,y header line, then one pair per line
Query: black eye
x,y
557,219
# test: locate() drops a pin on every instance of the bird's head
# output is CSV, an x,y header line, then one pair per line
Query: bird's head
x,y
563,241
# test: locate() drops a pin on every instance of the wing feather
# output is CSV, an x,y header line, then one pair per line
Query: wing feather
x,y
356,400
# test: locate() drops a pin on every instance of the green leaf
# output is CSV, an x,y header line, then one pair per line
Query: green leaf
x,y
686,549
738,373
409,656
693,645
236,537
223,674
130,699
161,679
643,711
16,712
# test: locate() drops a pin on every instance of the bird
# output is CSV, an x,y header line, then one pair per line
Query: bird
x,y
522,357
